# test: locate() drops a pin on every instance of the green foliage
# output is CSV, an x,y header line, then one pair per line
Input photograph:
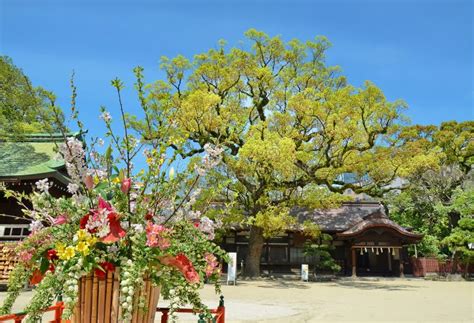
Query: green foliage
x,y
321,248
460,238
429,246
436,198
23,108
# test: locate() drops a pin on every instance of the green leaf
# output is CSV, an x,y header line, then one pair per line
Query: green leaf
x,y
44,265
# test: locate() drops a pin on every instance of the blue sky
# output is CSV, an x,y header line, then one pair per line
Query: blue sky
x,y
420,51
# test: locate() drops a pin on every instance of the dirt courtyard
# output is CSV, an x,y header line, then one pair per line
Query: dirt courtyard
x,y
361,300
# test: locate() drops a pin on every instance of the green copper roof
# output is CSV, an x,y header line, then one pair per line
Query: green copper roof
x,y
32,156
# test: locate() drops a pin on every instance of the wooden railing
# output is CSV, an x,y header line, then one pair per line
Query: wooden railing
x,y
18,317
219,314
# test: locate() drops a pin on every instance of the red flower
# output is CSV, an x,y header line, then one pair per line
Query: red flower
x,y
116,231
103,204
184,265
125,187
106,266
51,268
37,277
148,216
51,254
83,221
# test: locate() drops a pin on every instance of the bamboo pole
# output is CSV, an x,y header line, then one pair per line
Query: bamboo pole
x,y
101,300
94,300
88,299
115,310
108,297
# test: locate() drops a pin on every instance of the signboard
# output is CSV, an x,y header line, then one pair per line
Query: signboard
x,y
232,268
304,272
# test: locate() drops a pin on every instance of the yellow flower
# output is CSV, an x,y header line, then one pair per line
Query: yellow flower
x,y
91,240
83,247
149,160
68,253
82,235
116,180
60,249
96,180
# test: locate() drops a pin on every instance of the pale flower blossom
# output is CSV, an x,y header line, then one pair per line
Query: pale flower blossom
x,y
43,185
106,116
212,158
72,188
36,226
74,158
138,227
207,226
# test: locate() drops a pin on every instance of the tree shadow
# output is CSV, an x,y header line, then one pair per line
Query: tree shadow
x,y
15,156
285,284
372,285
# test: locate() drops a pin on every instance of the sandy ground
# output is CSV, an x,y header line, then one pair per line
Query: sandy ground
x,y
362,300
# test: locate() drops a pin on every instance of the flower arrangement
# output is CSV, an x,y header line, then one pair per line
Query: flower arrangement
x,y
144,222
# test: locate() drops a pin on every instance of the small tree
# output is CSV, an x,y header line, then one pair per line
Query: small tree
x,y
321,248
458,243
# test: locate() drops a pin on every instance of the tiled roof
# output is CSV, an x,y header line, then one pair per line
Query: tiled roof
x,y
378,219
339,219
32,156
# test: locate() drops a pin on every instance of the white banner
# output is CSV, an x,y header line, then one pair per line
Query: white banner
x,y
304,272
232,267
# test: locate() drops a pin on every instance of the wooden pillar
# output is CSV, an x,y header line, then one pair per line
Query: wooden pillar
x,y
402,275
354,263
389,260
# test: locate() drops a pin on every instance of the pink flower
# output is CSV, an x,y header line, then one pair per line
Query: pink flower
x,y
212,264
60,220
125,187
89,181
25,256
155,236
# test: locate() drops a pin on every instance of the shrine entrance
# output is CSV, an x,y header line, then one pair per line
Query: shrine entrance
x,y
377,261
376,245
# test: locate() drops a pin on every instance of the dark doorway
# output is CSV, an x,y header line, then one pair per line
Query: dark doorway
x,y
373,263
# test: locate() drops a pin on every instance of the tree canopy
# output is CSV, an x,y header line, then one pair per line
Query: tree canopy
x,y
22,106
436,199
291,127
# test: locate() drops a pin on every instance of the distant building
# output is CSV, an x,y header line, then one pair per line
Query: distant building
x,y
22,163
366,241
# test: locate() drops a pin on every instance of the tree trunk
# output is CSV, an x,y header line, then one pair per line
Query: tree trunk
x,y
453,218
454,263
252,260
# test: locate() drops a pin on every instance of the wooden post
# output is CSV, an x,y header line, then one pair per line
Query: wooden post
x,y
402,275
354,263
389,260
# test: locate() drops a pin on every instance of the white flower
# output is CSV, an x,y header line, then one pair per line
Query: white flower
x,y
72,188
106,116
112,249
36,226
138,227
43,185
100,142
207,226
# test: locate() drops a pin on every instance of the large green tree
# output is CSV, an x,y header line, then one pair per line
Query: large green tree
x,y
437,198
291,127
22,106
